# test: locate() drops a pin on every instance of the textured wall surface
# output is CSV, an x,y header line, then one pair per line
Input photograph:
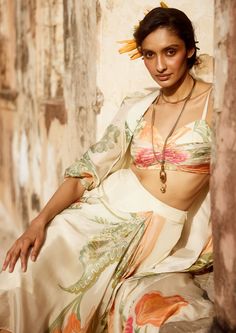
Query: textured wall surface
x,y
223,186
48,100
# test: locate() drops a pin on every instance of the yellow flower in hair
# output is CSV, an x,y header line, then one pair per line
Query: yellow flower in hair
x,y
130,44
163,5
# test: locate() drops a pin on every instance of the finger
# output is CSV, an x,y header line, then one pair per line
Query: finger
x,y
7,260
8,257
36,248
14,257
24,254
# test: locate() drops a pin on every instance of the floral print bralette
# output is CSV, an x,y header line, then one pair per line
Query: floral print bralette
x,y
188,149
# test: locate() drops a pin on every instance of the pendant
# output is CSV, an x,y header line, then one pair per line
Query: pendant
x,y
163,188
163,177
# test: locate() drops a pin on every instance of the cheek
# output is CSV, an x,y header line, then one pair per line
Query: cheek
x,y
149,65
179,62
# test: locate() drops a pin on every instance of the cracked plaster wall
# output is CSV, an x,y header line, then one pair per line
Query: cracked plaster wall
x,y
48,101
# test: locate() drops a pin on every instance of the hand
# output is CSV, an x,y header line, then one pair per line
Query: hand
x,y
28,244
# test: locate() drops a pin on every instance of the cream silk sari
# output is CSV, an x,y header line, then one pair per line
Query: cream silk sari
x,y
118,260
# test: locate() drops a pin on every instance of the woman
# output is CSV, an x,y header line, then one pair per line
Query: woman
x,y
121,257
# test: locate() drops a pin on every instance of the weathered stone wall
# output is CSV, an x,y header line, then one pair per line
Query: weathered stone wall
x,y
48,98
223,185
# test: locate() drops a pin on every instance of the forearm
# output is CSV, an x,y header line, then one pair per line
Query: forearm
x,y
69,191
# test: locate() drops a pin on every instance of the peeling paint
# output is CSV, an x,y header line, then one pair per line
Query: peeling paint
x,y
50,176
222,186
35,202
98,11
23,207
36,164
23,162
47,72
227,247
221,36
54,109
24,56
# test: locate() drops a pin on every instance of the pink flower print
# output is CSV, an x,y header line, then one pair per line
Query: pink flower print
x,y
145,157
128,326
174,156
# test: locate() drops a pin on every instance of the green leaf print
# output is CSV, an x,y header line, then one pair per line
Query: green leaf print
x,y
105,248
201,128
108,141
83,169
128,133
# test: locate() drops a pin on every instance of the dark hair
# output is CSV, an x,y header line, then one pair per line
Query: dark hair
x,y
172,19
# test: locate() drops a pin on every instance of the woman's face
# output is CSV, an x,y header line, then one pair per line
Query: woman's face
x,y
165,57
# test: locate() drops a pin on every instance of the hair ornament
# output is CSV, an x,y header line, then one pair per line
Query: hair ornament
x,y
130,44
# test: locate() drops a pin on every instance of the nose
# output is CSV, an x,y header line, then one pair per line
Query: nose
x,y
160,64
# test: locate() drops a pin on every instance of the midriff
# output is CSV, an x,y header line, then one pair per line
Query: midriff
x,y
182,187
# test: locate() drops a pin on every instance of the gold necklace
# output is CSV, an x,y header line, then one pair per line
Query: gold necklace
x,y
163,176
176,102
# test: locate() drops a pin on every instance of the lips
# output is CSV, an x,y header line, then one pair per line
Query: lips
x,y
163,77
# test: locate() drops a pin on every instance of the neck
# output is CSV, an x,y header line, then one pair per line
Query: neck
x,y
179,91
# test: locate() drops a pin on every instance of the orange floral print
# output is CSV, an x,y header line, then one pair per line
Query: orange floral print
x,y
73,325
155,309
153,227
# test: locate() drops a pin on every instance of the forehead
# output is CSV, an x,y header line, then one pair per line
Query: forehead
x,y
161,38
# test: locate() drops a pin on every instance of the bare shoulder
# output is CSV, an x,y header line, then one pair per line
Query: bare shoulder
x,y
201,87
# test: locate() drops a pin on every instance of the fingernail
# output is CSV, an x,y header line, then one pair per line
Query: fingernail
x,y
33,258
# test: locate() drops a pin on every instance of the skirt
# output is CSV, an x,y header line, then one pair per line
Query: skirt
x,y
101,268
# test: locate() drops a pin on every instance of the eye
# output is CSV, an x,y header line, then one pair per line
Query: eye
x,y
148,54
171,52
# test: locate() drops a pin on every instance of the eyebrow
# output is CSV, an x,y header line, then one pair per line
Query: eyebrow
x,y
165,48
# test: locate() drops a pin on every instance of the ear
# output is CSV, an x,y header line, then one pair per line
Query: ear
x,y
190,52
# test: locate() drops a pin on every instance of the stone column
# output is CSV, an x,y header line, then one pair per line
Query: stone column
x,y
223,184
